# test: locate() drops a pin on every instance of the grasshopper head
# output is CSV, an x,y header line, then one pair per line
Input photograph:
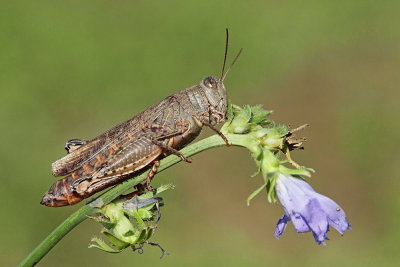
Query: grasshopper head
x,y
215,92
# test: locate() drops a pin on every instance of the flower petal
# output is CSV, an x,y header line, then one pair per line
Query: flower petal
x,y
299,223
307,209
290,194
336,215
281,226
317,220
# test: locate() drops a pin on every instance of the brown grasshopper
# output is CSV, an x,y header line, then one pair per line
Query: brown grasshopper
x,y
139,143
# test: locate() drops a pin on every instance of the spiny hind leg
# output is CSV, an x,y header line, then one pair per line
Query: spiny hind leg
x,y
140,188
171,150
74,144
151,174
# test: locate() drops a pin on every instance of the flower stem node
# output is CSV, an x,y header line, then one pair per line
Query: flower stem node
x,y
130,223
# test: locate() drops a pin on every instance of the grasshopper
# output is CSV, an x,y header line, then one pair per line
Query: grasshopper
x,y
139,143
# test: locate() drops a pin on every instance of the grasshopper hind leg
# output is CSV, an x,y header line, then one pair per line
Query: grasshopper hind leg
x,y
172,151
151,174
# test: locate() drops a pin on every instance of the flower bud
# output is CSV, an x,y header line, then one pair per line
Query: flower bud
x,y
129,222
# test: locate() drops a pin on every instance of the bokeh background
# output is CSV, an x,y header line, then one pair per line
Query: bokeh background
x,y
75,69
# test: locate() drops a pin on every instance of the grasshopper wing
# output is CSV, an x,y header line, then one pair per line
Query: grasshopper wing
x,y
85,181
115,137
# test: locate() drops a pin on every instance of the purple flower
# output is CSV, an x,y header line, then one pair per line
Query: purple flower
x,y
308,210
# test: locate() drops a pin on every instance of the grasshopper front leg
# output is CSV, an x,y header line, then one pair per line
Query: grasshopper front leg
x,y
217,131
204,122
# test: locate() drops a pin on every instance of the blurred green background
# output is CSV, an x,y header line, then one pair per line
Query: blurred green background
x,y
75,69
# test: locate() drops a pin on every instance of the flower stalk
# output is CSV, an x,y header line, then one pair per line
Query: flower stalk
x,y
92,205
269,145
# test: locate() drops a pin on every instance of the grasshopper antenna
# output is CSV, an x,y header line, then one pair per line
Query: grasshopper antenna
x,y
233,63
225,54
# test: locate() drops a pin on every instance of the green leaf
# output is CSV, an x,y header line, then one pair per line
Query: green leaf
x,y
255,193
260,115
164,187
129,233
142,237
239,124
103,220
271,193
301,172
100,244
145,214
257,172
118,243
138,219
229,112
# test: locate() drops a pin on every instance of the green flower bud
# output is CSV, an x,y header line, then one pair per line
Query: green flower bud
x,y
129,222
270,164
266,142
259,115
240,122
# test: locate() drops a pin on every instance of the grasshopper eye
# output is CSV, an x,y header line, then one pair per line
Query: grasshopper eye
x,y
210,82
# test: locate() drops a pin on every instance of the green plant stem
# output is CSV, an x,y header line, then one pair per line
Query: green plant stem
x,y
81,214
